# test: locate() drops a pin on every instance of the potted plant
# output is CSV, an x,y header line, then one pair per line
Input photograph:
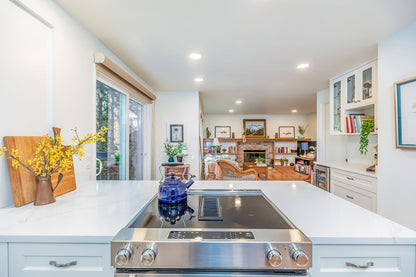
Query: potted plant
x,y
170,151
261,160
179,152
224,150
284,161
302,130
366,128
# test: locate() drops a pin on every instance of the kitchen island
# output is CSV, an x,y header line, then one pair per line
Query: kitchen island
x,y
81,224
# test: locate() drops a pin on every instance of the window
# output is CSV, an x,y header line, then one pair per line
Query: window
x,y
120,157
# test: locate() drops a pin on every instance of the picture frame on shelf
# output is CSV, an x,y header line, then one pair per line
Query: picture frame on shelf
x,y
222,132
207,143
405,113
286,131
176,132
254,128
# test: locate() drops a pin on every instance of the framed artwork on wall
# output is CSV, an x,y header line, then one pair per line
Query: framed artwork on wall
x,y
286,131
255,128
222,132
176,132
405,112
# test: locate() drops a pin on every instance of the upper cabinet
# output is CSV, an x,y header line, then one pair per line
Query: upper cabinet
x,y
353,99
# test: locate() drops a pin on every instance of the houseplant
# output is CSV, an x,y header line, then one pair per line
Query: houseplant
x,y
261,160
302,130
170,150
51,157
366,128
179,152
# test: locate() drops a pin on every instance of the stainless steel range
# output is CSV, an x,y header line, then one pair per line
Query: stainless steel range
x,y
213,233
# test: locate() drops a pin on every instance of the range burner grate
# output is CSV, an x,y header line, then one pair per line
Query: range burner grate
x,y
209,209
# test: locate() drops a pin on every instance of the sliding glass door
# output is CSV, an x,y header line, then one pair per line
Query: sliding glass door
x,y
135,140
120,157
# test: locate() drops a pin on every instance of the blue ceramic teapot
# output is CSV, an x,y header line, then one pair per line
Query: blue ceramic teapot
x,y
172,189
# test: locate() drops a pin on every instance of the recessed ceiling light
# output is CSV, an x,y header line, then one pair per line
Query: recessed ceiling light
x,y
303,65
238,102
231,111
195,56
199,79
294,111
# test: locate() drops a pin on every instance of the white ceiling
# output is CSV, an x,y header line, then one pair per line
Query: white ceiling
x,y
250,48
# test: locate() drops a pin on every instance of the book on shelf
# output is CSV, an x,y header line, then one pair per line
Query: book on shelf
x,y
355,121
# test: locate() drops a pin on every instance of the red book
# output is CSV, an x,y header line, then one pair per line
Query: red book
x,y
348,127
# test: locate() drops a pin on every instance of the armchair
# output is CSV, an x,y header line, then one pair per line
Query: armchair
x,y
232,172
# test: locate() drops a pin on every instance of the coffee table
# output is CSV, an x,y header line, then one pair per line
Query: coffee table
x,y
260,170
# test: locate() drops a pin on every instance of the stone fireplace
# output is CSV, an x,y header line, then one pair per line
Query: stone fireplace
x,y
256,146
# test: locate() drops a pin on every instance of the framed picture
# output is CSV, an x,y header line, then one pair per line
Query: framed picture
x,y
405,110
207,143
255,128
286,131
176,132
222,131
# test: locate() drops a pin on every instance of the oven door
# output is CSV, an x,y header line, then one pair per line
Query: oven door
x,y
179,273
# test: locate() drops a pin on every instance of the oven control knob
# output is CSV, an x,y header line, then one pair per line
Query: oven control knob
x,y
123,255
274,257
148,257
298,256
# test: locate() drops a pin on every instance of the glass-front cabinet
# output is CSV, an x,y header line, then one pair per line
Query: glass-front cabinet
x,y
353,98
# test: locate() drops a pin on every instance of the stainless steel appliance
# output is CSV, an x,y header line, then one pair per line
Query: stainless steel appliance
x,y
213,233
322,177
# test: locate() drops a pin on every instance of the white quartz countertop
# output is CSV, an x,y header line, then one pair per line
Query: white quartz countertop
x,y
96,211
352,167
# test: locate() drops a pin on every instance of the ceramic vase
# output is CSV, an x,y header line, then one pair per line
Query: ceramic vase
x,y
44,193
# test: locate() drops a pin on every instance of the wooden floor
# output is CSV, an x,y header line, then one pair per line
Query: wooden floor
x,y
287,173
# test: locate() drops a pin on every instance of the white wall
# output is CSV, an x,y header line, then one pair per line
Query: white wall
x,y
272,123
47,78
396,180
182,108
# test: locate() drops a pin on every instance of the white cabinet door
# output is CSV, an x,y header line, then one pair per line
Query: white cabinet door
x,y
363,260
4,270
59,260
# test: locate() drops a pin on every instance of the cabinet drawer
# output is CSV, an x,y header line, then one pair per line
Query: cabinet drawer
x,y
361,198
357,180
380,260
43,260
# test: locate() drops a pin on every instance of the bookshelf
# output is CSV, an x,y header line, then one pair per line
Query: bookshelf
x,y
353,99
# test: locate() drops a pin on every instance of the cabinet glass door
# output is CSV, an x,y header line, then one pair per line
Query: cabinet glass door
x,y
337,106
351,89
367,83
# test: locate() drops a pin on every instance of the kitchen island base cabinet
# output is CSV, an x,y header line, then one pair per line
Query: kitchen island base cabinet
x,y
59,260
374,260
4,261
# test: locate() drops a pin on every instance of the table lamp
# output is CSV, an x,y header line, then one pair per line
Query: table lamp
x,y
216,143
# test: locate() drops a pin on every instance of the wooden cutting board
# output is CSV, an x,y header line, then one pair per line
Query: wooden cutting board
x,y
22,182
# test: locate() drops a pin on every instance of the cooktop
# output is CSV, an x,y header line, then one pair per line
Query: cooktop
x,y
248,210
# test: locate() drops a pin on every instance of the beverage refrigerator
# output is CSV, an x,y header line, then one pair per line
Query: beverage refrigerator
x,y
322,177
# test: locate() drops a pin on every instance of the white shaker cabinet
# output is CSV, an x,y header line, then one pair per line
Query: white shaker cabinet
x,y
363,260
357,188
59,260
4,270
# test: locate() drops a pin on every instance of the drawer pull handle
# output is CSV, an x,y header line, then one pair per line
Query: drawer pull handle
x,y
62,265
349,197
360,266
350,178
